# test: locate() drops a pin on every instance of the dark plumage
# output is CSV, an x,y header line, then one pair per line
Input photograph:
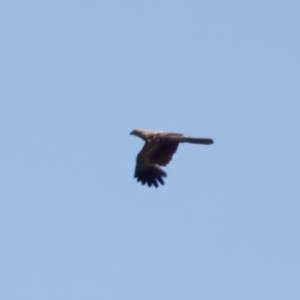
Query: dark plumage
x,y
158,151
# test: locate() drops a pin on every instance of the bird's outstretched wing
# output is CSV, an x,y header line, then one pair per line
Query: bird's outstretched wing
x,y
150,174
157,151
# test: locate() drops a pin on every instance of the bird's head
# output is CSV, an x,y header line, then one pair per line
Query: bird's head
x,y
137,132
140,133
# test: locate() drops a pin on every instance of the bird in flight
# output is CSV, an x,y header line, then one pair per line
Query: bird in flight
x,y
158,150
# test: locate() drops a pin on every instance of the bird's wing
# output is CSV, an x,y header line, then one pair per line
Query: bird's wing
x,y
150,174
160,149
157,151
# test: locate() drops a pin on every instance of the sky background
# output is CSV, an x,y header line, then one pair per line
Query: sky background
x,y
76,77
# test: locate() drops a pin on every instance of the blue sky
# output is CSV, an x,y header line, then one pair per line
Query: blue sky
x,y
77,77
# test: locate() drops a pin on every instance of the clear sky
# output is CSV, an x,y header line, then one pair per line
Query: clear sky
x,y
76,77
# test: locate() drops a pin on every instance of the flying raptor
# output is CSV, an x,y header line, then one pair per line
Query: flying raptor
x,y
158,150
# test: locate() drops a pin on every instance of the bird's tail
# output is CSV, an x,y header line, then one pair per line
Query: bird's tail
x,y
203,141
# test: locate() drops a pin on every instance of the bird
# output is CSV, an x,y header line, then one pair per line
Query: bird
x,y
158,151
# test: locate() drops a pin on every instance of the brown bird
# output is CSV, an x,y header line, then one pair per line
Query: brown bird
x,y
158,151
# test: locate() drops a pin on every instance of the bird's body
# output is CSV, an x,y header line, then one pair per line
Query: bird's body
x,y
158,151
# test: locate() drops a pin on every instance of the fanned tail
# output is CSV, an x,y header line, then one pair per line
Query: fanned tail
x,y
203,141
